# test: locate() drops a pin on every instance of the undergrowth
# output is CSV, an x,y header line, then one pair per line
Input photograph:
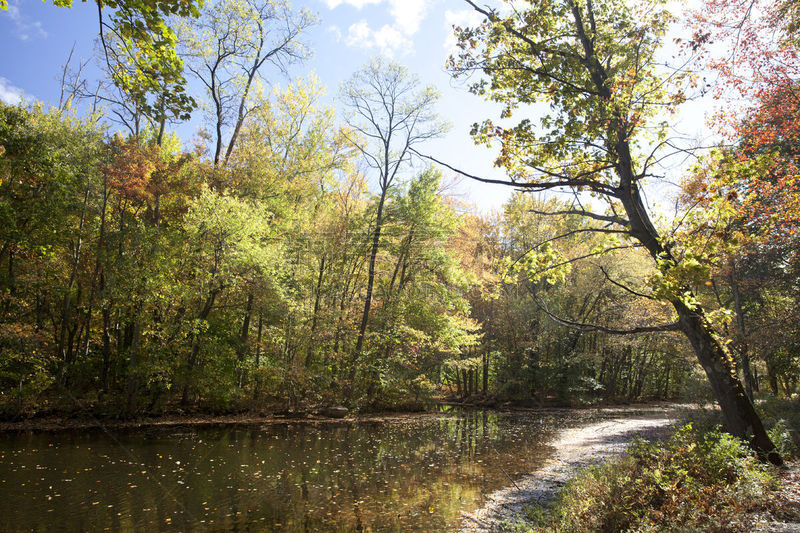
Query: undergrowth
x,y
695,481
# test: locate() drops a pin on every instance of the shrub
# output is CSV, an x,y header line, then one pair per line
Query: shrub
x,y
782,418
693,482
781,437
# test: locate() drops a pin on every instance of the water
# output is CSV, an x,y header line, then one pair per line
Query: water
x,y
414,474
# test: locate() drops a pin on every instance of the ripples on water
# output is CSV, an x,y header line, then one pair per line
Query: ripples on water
x,y
402,475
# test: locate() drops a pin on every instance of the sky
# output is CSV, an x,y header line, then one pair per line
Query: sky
x,y
36,39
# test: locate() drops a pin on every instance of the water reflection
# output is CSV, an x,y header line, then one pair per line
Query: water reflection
x,y
394,476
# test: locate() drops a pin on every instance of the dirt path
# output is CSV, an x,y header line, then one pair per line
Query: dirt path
x,y
576,448
788,519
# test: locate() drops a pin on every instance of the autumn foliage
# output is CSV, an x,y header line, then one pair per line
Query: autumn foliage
x,y
760,66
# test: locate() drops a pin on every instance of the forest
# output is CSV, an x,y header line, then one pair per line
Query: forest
x,y
296,254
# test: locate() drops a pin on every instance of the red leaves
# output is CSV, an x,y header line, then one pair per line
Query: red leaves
x,y
130,168
760,65
141,173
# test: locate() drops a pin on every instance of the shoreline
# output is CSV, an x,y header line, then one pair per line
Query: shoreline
x,y
55,423
63,424
576,448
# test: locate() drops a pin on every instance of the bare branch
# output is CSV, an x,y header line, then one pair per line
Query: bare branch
x,y
603,218
625,287
562,181
587,328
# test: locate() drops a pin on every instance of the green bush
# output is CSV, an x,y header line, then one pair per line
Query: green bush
x,y
781,437
693,482
782,418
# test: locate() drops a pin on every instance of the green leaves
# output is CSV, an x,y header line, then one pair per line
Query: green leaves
x,y
228,50
693,481
139,52
234,236
586,70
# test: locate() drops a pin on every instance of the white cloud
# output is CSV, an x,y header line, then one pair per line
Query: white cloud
x,y
463,18
408,14
9,94
359,34
25,28
390,39
358,4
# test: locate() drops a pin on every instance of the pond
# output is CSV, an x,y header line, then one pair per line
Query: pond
x,y
403,474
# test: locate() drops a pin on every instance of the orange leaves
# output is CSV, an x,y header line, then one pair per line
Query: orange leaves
x,y
140,173
759,55
759,65
130,168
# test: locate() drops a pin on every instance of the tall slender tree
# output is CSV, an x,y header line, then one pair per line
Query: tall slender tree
x,y
390,113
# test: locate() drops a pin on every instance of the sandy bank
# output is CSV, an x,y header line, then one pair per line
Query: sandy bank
x,y
576,448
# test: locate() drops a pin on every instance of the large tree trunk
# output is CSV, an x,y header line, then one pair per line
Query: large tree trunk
x,y
740,416
741,419
738,412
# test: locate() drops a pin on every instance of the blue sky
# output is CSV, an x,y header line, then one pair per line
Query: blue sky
x,y
36,38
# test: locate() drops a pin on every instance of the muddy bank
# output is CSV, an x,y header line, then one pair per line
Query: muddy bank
x,y
575,448
56,424
87,421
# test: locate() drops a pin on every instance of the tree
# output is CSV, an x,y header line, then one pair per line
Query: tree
x,y
594,63
423,315
751,190
390,113
231,237
227,50
139,90
755,179
49,175
758,65
140,55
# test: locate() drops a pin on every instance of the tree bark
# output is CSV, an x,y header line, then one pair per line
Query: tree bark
x,y
376,237
67,302
315,314
243,336
740,416
738,412
195,345
485,371
743,348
